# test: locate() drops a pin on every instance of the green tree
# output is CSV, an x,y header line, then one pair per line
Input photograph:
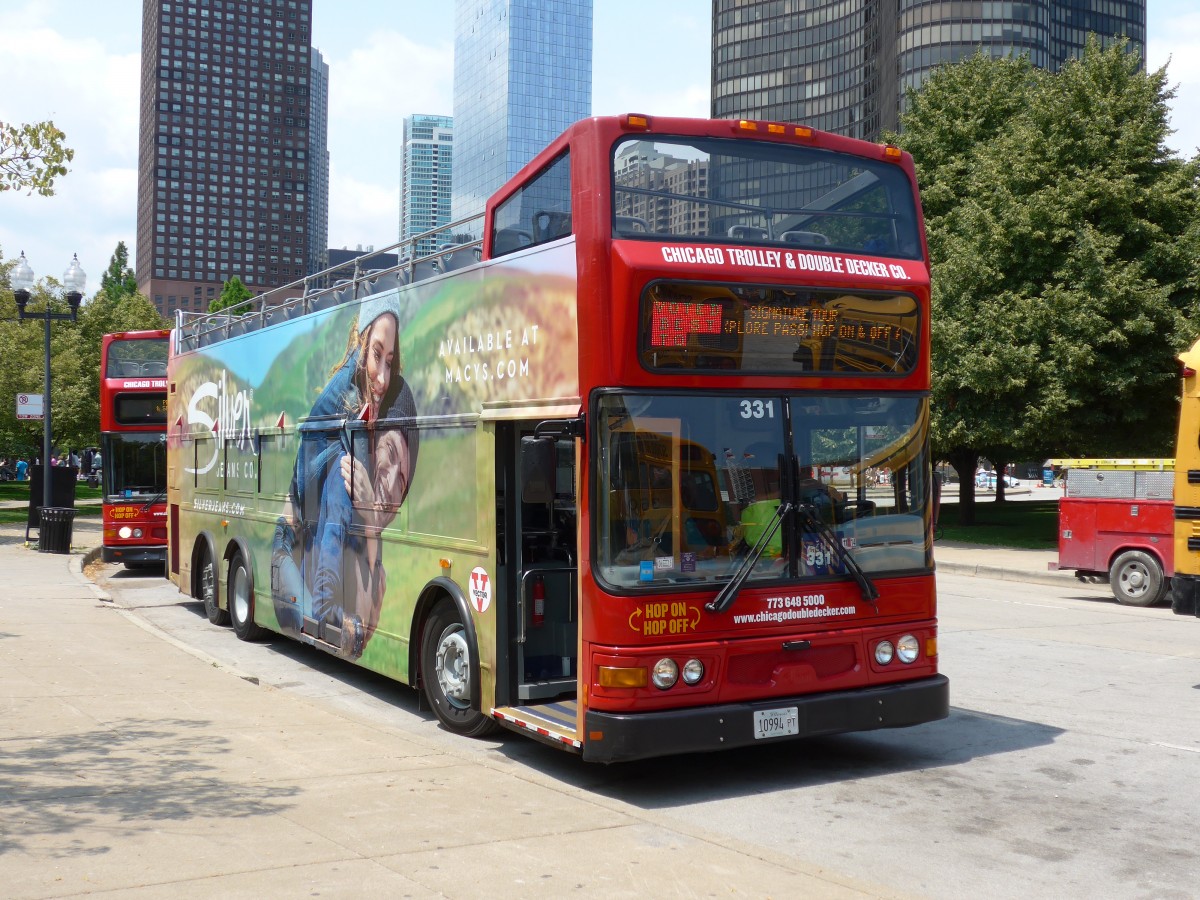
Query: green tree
x,y
32,157
74,361
1063,243
118,279
233,292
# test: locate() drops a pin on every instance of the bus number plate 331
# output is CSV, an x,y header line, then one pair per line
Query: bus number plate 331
x,y
769,723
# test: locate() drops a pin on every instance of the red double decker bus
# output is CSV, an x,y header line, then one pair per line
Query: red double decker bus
x,y
609,477
133,448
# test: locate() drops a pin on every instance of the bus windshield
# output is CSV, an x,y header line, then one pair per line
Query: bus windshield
x,y
136,465
687,484
762,193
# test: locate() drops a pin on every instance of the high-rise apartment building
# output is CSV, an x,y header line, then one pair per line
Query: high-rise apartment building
x,y
843,65
426,169
224,147
317,194
522,74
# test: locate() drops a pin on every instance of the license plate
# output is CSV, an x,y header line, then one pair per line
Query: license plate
x,y
769,723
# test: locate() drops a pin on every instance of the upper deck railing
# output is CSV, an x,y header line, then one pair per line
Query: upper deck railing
x,y
328,288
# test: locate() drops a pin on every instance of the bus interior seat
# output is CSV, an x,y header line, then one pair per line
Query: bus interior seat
x,y
549,225
458,258
509,240
627,225
748,233
424,269
807,238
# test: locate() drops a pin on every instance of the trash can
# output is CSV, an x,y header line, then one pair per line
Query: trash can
x,y
54,532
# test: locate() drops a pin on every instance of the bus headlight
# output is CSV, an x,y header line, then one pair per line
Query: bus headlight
x,y
884,651
908,649
664,674
693,671
125,531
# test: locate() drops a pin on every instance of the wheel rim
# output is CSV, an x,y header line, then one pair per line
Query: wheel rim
x,y
207,583
239,594
453,666
1135,580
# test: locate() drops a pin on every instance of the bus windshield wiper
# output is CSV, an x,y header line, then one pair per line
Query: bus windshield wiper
x,y
829,537
149,503
729,593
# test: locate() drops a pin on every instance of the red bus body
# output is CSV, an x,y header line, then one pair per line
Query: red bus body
x,y
806,651
133,398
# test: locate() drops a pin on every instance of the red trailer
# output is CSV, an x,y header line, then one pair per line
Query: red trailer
x,y
1118,525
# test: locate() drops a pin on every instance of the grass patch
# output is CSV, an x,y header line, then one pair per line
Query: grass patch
x,y
1028,524
19,491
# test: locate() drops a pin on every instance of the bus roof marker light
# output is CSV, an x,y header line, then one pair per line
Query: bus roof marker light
x,y
635,122
773,128
746,125
891,152
803,131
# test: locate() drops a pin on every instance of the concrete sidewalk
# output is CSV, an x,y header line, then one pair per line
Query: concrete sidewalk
x,y
131,766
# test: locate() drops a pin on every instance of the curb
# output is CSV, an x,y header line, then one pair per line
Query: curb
x,y
1002,574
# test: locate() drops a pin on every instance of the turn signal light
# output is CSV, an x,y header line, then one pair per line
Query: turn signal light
x,y
614,677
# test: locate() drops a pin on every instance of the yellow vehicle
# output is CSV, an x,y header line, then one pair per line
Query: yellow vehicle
x,y
1185,585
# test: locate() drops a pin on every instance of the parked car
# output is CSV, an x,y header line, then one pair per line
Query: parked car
x,y
987,481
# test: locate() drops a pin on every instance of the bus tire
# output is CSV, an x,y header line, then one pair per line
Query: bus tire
x,y
1137,579
206,586
446,673
240,591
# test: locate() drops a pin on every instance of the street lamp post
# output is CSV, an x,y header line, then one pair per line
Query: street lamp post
x,y
74,281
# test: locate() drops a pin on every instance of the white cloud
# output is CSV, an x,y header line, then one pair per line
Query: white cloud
x,y
371,89
1174,41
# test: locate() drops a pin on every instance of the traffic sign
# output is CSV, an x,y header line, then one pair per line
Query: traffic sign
x,y
29,406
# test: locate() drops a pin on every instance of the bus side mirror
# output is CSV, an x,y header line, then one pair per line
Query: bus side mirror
x,y
538,469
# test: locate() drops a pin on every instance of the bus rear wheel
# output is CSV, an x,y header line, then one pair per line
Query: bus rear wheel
x,y
1137,579
241,600
446,673
208,590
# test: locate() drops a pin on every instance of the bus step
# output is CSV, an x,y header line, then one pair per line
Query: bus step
x,y
554,723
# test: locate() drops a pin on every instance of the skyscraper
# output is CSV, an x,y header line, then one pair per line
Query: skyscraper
x,y
224,147
843,65
522,74
426,167
317,252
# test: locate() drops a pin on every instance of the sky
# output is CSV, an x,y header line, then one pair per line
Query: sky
x,y
76,62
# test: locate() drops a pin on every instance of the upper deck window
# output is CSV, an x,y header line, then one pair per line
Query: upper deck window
x,y
538,212
756,192
142,358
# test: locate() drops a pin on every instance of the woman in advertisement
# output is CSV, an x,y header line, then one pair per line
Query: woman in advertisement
x,y
336,462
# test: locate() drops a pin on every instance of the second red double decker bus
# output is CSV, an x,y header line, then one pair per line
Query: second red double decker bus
x,y
133,448
610,478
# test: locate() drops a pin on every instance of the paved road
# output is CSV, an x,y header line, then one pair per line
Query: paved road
x,y
1070,764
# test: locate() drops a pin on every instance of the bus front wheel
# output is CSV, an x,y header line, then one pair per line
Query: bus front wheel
x,y
446,673
241,600
1137,579
208,590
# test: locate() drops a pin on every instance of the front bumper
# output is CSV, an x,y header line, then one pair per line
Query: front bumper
x,y
630,736
135,555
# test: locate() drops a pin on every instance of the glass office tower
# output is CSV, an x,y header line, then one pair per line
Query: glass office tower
x,y
843,65
426,168
317,257
522,74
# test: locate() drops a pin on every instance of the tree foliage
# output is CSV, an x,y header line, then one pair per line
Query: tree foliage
x,y
74,361
118,279
1065,244
233,292
32,157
